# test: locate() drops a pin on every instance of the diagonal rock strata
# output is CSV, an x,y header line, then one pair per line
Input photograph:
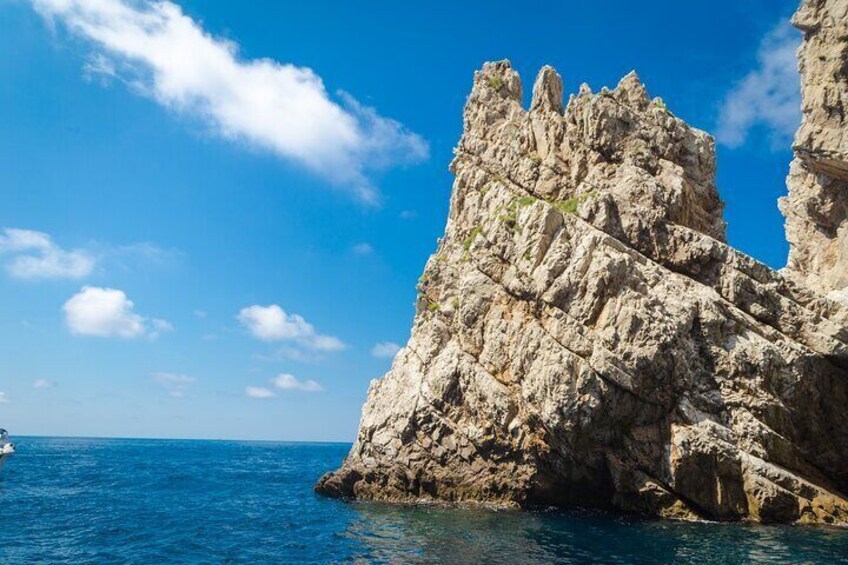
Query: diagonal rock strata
x,y
585,336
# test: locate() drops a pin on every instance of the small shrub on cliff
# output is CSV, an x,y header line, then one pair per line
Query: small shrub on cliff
x,y
477,230
658,104
495,82
570,206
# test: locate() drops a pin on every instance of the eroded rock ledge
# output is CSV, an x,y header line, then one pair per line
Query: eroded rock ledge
x,y
584,336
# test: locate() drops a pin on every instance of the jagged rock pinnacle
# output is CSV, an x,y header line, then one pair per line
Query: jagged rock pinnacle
x,y
547,91
498,78
631,91
584,335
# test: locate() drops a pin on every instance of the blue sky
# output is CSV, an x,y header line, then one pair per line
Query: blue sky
x,y
215,213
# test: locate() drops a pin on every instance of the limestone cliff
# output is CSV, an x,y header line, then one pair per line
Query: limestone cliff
x,y
584,336
816,209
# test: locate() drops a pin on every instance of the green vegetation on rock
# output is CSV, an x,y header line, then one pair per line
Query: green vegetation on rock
x,y
475,231
570,205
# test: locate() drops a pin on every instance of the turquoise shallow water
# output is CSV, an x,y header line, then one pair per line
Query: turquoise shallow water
x,y
151,501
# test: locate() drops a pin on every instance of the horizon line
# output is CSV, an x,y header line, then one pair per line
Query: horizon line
x,y
136,438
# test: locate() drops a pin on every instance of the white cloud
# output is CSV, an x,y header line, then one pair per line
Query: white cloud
x,y
286,382
362,249
408,214
165,54
159,326
385,349
769,96
259,392
107,312
3,398
272,323
176,385
43,383
289,382
34,255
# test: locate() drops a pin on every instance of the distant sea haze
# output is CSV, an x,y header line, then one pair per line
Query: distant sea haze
x,y
65,500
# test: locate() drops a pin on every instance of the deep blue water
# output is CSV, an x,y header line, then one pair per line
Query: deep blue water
x,y
152,501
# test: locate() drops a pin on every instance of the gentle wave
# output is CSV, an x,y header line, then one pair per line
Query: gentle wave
x,y
68,500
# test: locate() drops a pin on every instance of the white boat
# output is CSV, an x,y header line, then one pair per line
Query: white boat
x,y
7,448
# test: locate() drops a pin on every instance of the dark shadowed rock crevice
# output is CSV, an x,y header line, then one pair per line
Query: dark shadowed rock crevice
x,y
585,336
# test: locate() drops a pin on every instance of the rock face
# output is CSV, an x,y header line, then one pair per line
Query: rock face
x,y
816,209
584,336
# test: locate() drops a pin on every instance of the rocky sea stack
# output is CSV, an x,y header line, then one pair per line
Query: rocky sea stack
x,y
585,336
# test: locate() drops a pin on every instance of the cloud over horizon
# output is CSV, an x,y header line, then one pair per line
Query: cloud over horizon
x,y
107,312
176,385
769,96
285,381
159,51
259,392
272,323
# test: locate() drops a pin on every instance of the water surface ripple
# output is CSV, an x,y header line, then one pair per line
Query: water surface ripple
x,y
156,501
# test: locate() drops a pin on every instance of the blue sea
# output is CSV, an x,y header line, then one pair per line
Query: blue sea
x,y
158,501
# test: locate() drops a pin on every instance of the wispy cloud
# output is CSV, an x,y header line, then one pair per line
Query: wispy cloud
x,y
176,385
272,323
159,326
41,384
99,67
289,382
768,97
386,349
144,252
285,109
259,392
284,382
362,249
3,397
34,255
107,312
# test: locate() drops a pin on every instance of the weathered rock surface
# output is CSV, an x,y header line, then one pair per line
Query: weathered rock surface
x,y
816,208
584,336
